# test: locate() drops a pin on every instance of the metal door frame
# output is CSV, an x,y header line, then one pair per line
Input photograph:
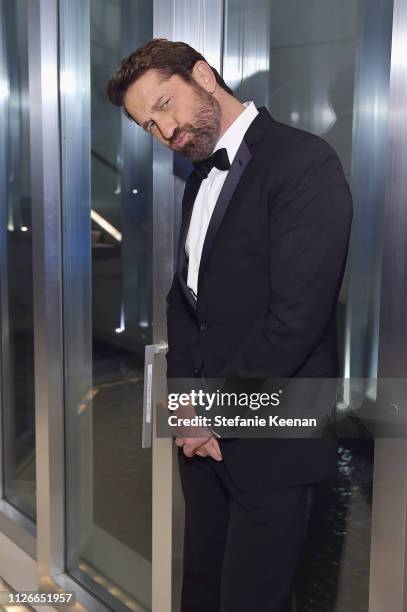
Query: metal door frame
x,y
200,24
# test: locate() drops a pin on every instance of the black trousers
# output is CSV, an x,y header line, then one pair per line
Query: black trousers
x,y
241,548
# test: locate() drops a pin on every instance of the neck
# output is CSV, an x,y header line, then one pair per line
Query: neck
x,y
230,110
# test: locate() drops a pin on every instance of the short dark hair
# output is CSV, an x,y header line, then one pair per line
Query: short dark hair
x,y
165,56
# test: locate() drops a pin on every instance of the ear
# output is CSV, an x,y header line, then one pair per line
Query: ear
x,y
203,75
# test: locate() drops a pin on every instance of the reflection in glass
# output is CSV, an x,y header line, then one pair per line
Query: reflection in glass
x,y
109,495
17,287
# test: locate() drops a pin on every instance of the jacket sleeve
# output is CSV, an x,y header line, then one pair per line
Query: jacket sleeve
x,y
309,225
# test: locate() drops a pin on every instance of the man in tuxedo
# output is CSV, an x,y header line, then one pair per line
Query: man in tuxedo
x,y
266,216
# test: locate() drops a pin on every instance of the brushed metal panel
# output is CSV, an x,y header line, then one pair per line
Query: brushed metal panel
x,y
368,187
47,270
246,50
75,202
5,389
388,569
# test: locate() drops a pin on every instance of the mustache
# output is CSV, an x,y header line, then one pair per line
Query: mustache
x,y
186,128
206,121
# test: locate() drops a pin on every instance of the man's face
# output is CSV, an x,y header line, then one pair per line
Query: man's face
x,y
181,115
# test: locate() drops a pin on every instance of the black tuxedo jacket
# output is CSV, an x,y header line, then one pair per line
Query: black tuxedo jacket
x,y
271,269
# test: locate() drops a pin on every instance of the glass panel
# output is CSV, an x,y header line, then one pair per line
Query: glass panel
x,y
316,66
16,267
109,475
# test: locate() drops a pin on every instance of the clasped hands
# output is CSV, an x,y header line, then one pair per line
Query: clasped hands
x,y
196,440
202,447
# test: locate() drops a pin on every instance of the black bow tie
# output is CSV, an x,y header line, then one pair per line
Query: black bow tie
x,y
219,160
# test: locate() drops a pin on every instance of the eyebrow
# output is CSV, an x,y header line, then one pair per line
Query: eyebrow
x,y
154,107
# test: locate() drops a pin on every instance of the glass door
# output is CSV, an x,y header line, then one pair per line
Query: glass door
x,y
107,203
16,274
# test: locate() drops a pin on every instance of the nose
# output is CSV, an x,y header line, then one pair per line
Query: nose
x,y
166,125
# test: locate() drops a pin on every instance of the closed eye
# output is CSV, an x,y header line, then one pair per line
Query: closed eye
x,y
151,124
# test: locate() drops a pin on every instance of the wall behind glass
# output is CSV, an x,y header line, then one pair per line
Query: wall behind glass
x,y
316,66
16,266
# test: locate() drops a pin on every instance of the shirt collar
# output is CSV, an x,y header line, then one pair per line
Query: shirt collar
x,y
233,136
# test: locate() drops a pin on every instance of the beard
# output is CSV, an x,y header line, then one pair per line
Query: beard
x,y
203,134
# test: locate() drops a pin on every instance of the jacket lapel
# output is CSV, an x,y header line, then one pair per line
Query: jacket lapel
x,y
190,193
254,133
240,161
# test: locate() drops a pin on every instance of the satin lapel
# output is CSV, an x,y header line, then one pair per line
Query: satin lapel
x,y
242,158
190,193
254,133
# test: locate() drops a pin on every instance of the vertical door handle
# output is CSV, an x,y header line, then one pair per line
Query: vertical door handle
x,y
151,350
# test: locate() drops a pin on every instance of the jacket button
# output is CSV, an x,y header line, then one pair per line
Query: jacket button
x,y
196,372
203,325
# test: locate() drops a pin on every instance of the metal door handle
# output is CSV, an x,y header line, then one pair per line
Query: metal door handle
x,y
151,350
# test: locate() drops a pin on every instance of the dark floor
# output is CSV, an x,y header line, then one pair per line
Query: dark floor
x,y
334,573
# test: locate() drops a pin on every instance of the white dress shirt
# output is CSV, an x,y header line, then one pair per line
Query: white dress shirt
x,y
209,191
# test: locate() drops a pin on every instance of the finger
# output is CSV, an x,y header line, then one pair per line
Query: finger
x,y
200,453
194,443
215,444
215,455
179,441
188,450
214,450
